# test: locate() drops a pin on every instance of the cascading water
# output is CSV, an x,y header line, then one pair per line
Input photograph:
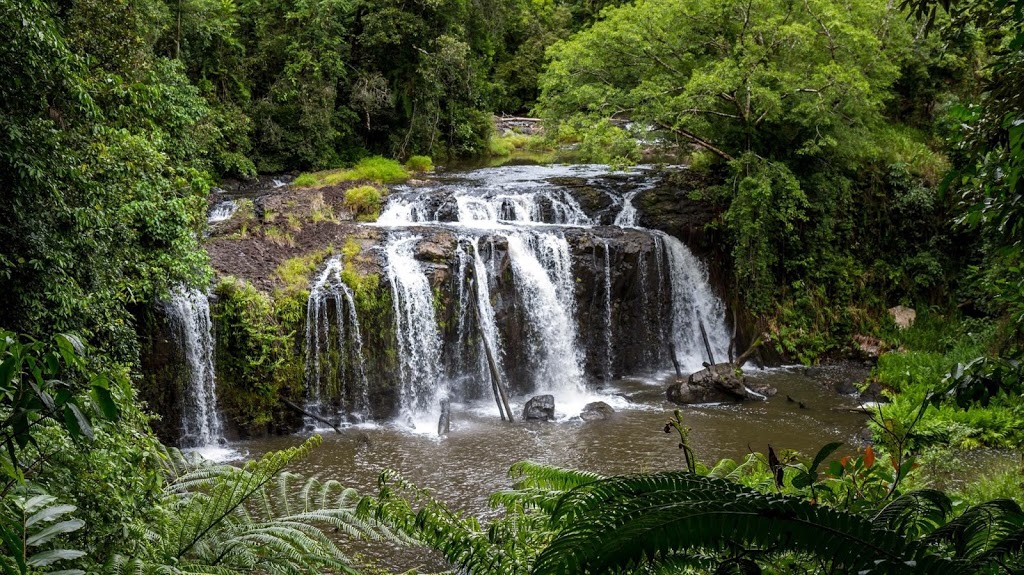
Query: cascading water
x,y
419,341
516,283
541,268
608,337
188,314
693,300
332,327
222,211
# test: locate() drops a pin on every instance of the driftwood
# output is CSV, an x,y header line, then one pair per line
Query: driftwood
x,y
707,344
322,420
497,385
672,354
750,351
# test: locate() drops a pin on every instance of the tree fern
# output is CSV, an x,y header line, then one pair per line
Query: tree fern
x,y
224,520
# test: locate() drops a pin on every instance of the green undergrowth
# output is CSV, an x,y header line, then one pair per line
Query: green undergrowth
x,y
375,169
257,361
294,274
920,363
515,146
419,164
365,202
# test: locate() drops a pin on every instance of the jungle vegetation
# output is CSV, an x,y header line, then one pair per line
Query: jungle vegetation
x,y
858,154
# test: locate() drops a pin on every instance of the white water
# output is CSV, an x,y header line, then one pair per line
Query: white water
x,y
693,300
609,352
540,264
188,313
419,341
519,206
222,211
330,293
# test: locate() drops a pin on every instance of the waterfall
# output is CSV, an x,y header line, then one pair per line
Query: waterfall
x,y
222,211
626,217
347,382
693,301
419,341
692,298
512,232
541,268
188,314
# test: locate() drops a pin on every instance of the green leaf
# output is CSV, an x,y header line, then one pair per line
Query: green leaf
x,y
105,402
76,422
52,556
54,530
49,514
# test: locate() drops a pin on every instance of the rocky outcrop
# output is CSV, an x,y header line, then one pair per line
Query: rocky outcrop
x,y
596,411
722,382
903,316
540,408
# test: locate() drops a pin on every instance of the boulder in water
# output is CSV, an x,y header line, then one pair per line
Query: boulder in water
x,y
540,408
715,383
596,410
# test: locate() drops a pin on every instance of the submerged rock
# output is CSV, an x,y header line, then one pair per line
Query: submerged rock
x,y
540,408
596,410
715,383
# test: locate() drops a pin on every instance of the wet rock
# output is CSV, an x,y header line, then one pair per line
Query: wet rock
x,y
869,347
596,410
903,316
540,408
717,383
436,249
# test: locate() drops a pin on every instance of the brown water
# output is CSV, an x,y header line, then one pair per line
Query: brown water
x,y
473,460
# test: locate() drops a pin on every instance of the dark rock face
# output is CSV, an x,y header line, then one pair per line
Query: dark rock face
x,y
540,408
722,382
596,411
164,374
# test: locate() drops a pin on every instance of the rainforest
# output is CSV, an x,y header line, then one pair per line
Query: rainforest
x,y
511,286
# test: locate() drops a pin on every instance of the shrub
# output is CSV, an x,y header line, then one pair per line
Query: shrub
x,y
380,170
419,164
305,181
364,201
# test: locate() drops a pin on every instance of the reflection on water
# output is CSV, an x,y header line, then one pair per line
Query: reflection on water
x,y
472,461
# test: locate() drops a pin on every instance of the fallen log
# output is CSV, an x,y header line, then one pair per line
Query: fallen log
x,y
322,420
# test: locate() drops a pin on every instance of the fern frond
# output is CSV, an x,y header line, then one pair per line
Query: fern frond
x,y
984,533
915,514
529,474
624,522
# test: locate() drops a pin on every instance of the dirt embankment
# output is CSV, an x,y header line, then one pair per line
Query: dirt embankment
x,y
270,228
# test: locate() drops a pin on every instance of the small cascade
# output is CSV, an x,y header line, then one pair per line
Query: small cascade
x,y
332,331
692,301
419,341
626,218
541,268
188,313
609,352
222,211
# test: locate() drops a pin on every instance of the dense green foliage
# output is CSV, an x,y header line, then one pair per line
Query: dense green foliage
x,y
856,162
817,119
762,514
